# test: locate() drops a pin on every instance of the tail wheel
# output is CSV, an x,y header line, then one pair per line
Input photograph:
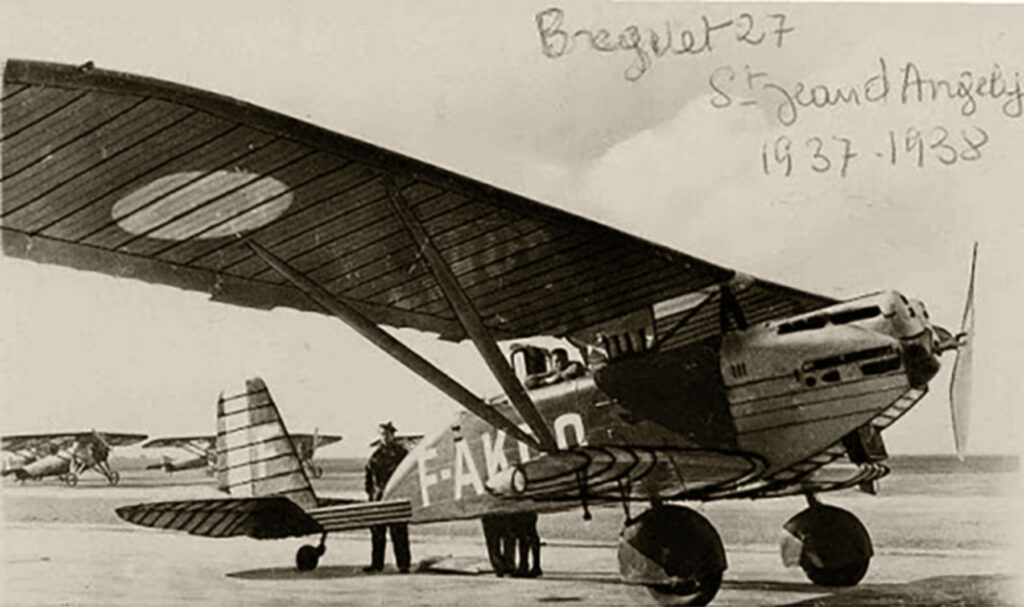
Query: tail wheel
x,y
307,558
70,479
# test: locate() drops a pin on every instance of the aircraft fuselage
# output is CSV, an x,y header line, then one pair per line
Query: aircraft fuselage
x,y
50,465
779,392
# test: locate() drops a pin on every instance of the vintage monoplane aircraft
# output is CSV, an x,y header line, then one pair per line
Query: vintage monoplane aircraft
x,y
203,453
699,382
65,455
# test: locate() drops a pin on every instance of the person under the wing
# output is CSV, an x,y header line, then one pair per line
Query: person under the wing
x,y
379,468
509,535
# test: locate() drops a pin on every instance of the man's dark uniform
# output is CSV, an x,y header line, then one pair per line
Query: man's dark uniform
x,y
381,465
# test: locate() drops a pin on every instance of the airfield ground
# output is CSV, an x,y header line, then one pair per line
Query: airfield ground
x,y
944,535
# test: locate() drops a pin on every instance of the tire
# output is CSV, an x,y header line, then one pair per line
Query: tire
x,y
70,479
316,471
835,546
307,558
700,593
676,553
840,576
114,478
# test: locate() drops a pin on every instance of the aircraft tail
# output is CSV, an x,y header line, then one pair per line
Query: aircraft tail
x,y
18,473
256,456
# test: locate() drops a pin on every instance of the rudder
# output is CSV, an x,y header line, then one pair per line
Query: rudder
x,y
256,456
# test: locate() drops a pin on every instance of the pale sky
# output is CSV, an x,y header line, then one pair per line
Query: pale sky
x,y
672,154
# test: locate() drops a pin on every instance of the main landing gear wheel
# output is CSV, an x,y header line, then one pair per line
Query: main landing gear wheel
x,y
307,558
316,471
114,477
70,479
676,553
830,545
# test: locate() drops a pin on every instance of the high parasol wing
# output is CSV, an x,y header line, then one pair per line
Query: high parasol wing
x,y
313,441
141,178
206,441
17,442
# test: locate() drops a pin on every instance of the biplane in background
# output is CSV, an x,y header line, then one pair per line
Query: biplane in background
x,y
698,382
202,451
64,455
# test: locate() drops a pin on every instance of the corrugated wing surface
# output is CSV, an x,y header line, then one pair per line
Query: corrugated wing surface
x,y
142,178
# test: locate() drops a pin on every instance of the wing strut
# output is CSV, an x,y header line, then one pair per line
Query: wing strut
x,y
399,351
470,320
729,306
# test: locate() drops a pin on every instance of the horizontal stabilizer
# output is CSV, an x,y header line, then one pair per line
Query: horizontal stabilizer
x,y
256,517
361,515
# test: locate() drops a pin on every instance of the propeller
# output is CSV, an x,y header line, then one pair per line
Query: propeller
x,y
100,447
960,384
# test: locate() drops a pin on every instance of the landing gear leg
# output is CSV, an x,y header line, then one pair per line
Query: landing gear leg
x,y
675,552
307,558
113,476
830,545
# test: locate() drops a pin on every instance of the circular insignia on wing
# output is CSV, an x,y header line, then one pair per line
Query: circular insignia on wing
x,y
197,204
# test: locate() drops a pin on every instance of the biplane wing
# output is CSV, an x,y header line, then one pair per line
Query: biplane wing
x,y
145,179
19,442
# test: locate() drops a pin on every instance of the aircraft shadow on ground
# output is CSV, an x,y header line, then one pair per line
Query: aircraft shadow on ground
x,y
940,590
356,571
325,572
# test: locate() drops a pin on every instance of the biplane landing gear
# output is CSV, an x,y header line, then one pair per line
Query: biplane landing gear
x,y
315,471
307,558
830,545
113,476
675,552
70,479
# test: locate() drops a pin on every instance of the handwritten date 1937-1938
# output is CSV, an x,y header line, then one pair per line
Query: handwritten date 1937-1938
x,y
784,155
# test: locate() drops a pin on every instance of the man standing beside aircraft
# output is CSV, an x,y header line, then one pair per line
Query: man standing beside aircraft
x,y
379,467
508,535
524,530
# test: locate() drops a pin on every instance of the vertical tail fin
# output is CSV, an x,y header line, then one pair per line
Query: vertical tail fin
x,y
255,455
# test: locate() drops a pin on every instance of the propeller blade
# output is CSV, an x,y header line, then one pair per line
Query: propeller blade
x,y
960,384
